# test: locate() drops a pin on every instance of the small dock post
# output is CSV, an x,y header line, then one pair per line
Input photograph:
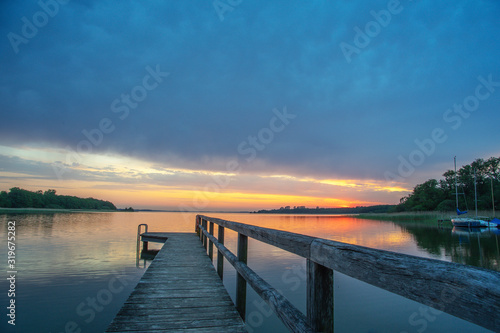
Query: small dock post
x,y
144,243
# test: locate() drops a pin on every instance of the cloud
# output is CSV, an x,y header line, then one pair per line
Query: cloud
x,y
122,179
353,119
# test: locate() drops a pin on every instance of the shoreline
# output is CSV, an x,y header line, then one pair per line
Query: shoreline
x,y
429,218
52,210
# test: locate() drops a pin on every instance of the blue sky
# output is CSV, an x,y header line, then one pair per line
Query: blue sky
x,y
338,101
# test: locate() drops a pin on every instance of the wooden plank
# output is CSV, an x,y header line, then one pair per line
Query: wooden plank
x,y
174,303
159,237
227,329
172,315
188,323
210,311
184,282
179,292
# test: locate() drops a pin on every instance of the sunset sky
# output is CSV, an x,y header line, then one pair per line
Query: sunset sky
x,y
245,105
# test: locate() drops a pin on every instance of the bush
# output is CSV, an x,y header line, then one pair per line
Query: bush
x,y
446,206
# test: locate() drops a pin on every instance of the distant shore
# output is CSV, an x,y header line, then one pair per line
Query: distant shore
x,y
319,210
410,215
51,210
423,217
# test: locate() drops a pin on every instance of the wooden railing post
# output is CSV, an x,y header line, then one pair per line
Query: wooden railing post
x,y
204,224
241,284
210,243
319,297
197,225
220,257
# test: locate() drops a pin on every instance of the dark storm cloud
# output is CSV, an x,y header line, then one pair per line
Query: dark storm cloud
x,y
353,118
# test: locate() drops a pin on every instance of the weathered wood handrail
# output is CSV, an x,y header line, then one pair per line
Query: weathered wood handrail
x,y
463,291
292,317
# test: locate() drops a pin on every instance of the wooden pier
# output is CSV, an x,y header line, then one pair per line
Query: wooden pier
x,y
179,292
182,292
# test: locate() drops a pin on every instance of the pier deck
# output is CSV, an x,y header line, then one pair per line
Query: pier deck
x,y
179,292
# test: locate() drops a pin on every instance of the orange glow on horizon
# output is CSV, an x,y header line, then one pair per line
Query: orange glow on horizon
x,y
126,182
199,200
175,198
157,197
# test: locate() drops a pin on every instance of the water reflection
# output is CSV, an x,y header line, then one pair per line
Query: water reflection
x,y
476,247
64,259
146,256
381,311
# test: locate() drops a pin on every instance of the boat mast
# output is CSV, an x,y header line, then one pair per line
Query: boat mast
x,y
492,196
456,186
475,190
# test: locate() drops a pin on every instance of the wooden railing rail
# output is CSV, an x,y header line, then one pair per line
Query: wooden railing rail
x,y
463,291
291,317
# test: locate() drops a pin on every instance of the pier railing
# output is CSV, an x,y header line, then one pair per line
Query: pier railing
x,y
466,292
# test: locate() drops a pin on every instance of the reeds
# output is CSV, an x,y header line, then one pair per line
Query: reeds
x,y
424,216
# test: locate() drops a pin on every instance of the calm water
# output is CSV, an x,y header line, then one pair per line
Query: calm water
x,y
74,271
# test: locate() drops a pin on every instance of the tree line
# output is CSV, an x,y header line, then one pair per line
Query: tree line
x,y
318,210
439,195
19,198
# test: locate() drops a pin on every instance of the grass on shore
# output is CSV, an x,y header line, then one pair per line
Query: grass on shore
x,y
49,210
423,217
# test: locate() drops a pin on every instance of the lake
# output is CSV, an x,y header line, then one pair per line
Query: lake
x,y
75,270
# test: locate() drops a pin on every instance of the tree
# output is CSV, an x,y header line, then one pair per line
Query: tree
x,y
19,198
5,200
425,196
440,195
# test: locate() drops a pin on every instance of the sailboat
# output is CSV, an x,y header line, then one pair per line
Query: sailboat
x,y
467,222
